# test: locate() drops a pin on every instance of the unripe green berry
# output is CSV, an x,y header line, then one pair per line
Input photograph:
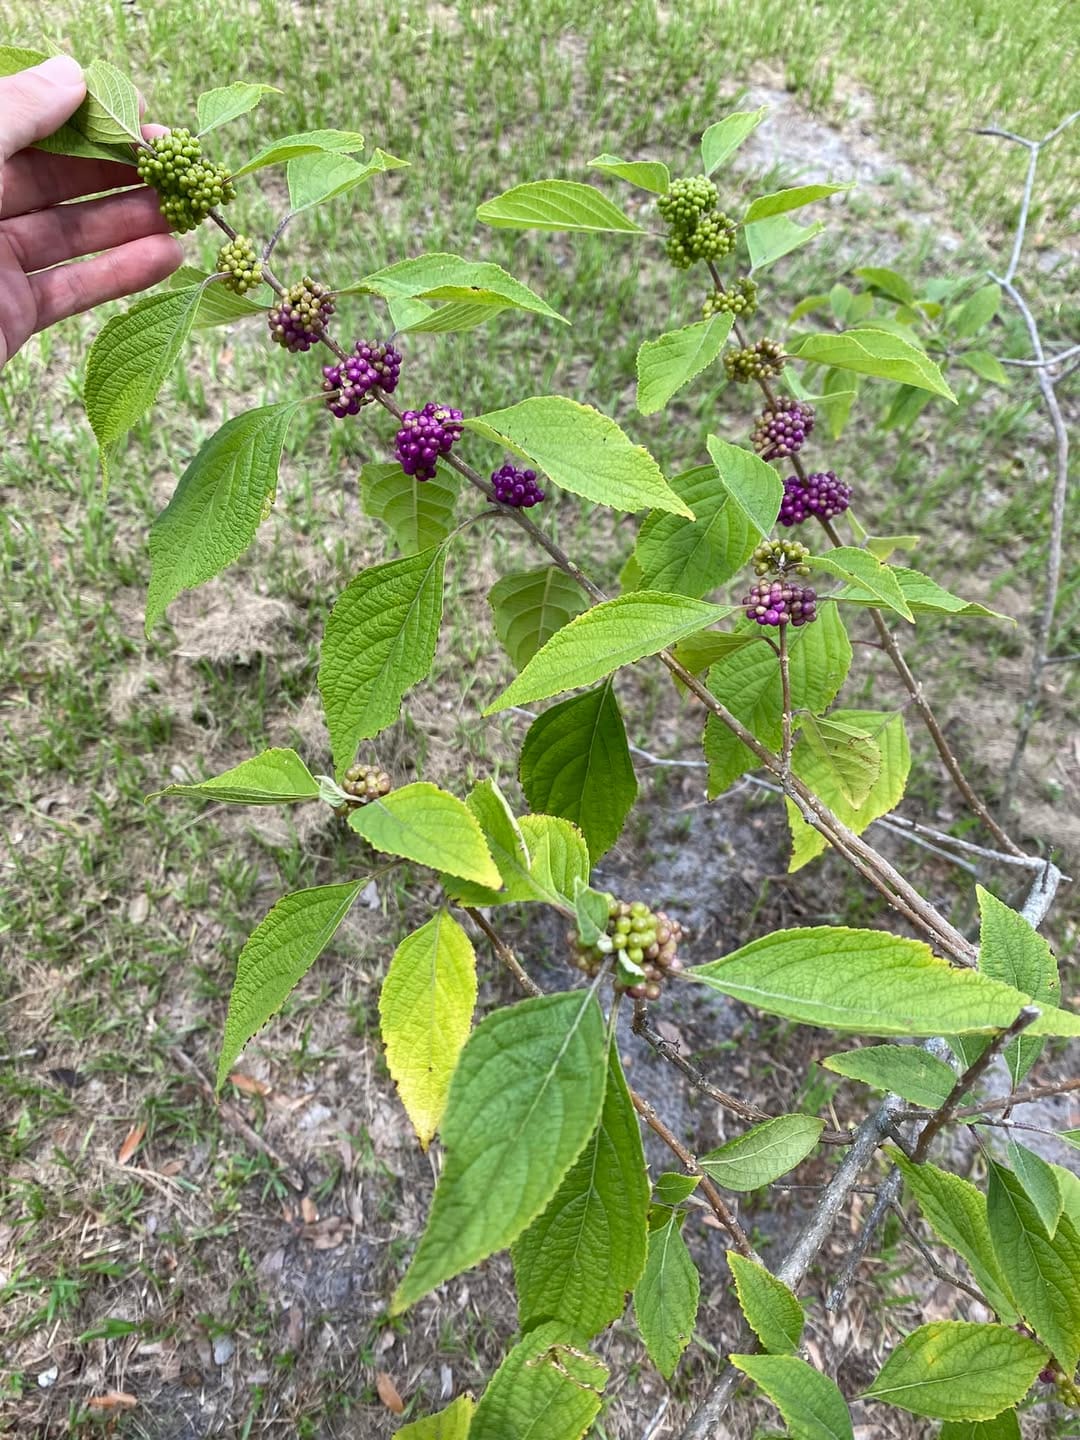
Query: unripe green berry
x,y
781,557
239,261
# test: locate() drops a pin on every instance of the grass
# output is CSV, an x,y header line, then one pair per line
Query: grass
x,y
121,921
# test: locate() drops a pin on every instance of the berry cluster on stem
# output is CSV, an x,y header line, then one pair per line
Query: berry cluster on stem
x,y
424,436
300,318
351,383
188,186
644,943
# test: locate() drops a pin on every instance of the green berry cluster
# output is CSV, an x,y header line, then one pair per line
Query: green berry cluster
x,y
759,361
301,316
781,557
644,943
239,260
738,299
188,186
686,201
364,783
696,229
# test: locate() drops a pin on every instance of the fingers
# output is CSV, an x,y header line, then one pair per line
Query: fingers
x,y
35,102
70,289
36,178
48,237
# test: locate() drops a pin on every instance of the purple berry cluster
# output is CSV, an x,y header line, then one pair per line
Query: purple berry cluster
x,y
821,494
349,385
776,602
301,316
782,428
424,436
516,487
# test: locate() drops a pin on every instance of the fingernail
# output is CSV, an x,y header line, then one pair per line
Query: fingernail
x,y
60,70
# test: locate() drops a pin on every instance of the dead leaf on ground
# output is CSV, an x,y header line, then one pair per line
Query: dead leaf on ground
x,y
132,1141
248,1085
388,1392
114,1400
309,1210
326,1234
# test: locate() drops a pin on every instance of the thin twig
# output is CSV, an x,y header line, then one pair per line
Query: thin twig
x,y
888,1191
932,1264
504,952
785,711
1047,362
1018,1097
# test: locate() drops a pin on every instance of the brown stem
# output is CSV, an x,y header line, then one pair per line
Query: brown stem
x,y
785,718
932,1264
1018,1097
504,952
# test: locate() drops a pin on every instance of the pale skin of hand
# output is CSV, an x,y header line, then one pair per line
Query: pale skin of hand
x,y
42,277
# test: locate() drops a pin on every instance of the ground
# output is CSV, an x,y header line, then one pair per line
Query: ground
x,y
226,1267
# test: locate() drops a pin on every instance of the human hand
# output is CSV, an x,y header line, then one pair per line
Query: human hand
x,y
38,233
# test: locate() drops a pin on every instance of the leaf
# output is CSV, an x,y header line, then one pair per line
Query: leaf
x,y
764,1153
431,827
218,107
923,596
890,737
582,451
666,1298
547,1388
307,142
555,205
592,909
388,1393
419,514
905,1070
380,641
542,858
1071,1137
323,175
722,139
273,778
957,1213
977,311
217,305
770,240
578,1260
672,1188
868,573
218,505
705,648
888,283
130,359
874,983
689,557
771,1310
985,365
781,201
450,1424
837,398
449,277
748,682
1002,1427
1040,1184
110,113
1041,1273
425,1011
665,365
132,1141
277,955
575,762
610,635
753,486
957,1370
529,606
850,756
810,1402
417,317
1011,950
525,1097
874,352
645,174
66,140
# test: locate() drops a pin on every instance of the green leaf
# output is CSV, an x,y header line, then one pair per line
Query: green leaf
x,y
748,682
130,359
923,595
542,858
419,514
888,283
1070,1192
277,955
1011,950
1040,1184
380,641
645,174
110,113
665,365
666,1298
1071,1137
890,737
575,762
1002,1427
529,606
771,1310
322,175
878,984
218,505
874,352
450,1424
956,1370
525,1097
848,753
425,1011
417,317
307,142
705,648
66,140
810,1402
672,1188
218,305
781,201
977,311
838,396
218,107
275,777
610,635
449,277
547,1388
592,909
770,240
985,365
1041,1273
423,823
724,138
883,546
764,1153
957,1213
689,557
578,1260
905,1070
861,568
583,452
752,485
555,205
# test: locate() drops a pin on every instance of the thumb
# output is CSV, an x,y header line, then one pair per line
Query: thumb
x,y
34,103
